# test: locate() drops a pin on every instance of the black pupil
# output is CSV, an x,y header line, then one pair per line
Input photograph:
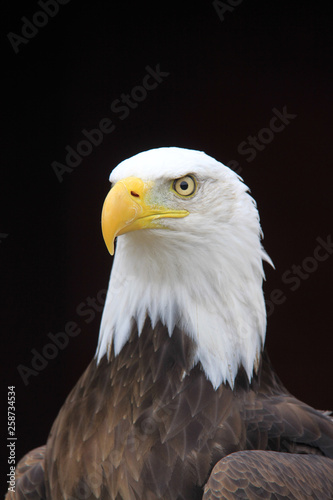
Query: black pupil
x,y
184,185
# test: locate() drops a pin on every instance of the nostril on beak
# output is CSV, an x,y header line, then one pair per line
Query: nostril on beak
x,y
136,195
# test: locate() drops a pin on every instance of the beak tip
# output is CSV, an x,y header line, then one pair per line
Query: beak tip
x,y
110,248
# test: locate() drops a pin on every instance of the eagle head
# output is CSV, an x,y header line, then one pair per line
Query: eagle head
x,y
188,254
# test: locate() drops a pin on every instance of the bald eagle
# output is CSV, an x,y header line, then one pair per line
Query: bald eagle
x,y
181,400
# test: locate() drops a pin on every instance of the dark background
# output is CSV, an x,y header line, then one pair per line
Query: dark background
x,y
225,77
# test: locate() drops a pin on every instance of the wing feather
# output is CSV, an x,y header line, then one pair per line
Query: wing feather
x,y
270,475
30,483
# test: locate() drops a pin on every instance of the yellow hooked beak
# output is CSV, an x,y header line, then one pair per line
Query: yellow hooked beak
x,y
126,208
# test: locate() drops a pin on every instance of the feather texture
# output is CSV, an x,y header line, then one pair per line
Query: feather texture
x,y
114,439
181,401
264,474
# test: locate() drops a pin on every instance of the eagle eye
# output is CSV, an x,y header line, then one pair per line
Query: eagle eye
x,y
185,186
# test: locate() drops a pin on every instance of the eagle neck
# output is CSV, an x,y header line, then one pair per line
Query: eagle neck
x,y
219,304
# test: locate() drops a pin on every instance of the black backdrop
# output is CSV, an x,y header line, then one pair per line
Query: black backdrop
x,y
224,76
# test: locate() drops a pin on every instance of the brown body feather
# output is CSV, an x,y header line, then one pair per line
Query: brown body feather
x,y
149,425
270,475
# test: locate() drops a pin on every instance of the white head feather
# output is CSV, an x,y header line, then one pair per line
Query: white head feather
x,y
204,275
